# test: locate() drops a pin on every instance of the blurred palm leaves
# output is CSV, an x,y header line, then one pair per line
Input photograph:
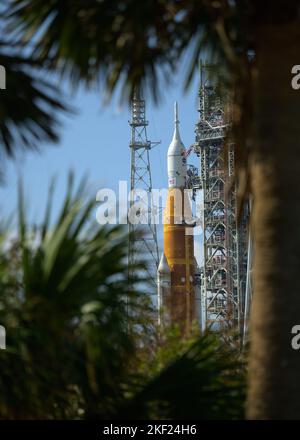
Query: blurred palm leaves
x,y
64,303
30,106
199,379
122,42
115,43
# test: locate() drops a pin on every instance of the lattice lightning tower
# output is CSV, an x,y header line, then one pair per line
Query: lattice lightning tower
x,y
143,235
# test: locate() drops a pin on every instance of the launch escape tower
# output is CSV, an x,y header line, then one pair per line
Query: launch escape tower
x,y
224,275
142,232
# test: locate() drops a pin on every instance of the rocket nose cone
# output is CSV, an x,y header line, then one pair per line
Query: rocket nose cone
x,y
176,157
163,265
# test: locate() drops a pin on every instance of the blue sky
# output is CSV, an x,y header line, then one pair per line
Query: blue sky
x,y
95,142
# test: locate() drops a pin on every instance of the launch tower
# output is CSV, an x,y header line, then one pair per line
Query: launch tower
x,y
224,275
142,232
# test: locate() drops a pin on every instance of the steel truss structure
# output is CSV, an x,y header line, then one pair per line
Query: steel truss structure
x,y
142,231
225,240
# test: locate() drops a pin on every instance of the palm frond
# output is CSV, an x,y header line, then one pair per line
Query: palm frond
x,y
30,105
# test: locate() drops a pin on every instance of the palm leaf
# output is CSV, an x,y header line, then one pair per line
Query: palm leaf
x,y
30,105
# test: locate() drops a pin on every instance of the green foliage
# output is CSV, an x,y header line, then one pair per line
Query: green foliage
x,y
204,382
168,346
64,300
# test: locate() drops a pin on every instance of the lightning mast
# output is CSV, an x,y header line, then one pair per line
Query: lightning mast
x,y
224,273
142,231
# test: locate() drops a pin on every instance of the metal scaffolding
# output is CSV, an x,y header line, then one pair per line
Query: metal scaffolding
x,y
142,232
225,240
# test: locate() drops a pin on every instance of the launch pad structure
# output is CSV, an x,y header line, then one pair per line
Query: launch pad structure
x,y
224,305
143,233
225,274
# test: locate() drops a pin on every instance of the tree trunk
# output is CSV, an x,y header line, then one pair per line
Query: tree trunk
x,y
274,367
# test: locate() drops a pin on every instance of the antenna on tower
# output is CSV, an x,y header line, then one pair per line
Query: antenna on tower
x,y
142,234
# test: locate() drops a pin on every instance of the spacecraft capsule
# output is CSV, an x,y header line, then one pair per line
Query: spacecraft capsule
x,y
176,157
